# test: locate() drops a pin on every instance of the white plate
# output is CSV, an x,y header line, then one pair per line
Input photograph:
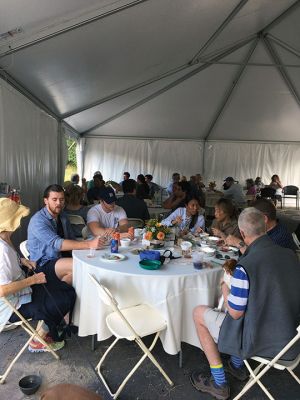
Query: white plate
x,y
213,238
112,257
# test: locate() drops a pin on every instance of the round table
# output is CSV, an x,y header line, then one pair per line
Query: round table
x,y
175,290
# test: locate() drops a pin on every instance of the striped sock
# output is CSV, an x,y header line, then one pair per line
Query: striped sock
x,y
236,362
218,374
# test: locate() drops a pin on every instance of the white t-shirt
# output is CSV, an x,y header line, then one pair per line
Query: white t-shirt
x,y
106,220
10,271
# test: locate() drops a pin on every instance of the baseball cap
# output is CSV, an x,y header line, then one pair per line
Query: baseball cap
x,y
108,195
229,179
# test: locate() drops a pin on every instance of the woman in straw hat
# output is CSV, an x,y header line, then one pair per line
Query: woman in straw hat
x,y
39,302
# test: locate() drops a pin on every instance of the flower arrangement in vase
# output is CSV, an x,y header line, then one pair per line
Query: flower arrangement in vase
x,y
155,231
212,185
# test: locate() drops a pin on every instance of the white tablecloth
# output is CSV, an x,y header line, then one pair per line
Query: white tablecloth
x,y
174,290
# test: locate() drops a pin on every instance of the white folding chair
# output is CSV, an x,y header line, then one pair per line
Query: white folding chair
x,y
276,362
136,222
296,240
131,323
23,323
24,249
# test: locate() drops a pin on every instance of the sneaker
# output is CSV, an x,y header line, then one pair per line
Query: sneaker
x,y
10,326
208,385
38,347
241,374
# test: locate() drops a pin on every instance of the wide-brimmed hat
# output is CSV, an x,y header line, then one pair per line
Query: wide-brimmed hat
x,y
11,214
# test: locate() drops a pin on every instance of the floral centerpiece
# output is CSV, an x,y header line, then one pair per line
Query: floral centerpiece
x,y
155,230
212,185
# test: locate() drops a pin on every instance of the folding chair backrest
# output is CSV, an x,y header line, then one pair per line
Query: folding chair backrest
x,y
108,299
24,249
296,240
136,222
104,294
76,219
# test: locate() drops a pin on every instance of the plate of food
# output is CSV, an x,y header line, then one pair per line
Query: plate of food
x,y
112,257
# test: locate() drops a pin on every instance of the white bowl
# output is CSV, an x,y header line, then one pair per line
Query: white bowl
x,y
185,246
125,242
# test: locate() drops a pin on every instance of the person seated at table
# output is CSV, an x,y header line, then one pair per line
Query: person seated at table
x,y
48,303
126,175
255,305
187,218
276,231
90,183
153,187
74,196
258,184
142,189
106,218
51,238
250,186
134,207
276,183
175,179
234,191
278,186
177,199
225,222
94,194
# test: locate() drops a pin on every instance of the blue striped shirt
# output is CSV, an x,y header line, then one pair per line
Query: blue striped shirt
x,y
239,291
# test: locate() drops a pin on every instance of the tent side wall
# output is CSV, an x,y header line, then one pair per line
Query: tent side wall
x,y
161,158
30,148
158,157
244,160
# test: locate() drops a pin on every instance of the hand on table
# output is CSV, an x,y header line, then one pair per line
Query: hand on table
x,y
218,233
127,235
97,242
232,241
199,230
177,220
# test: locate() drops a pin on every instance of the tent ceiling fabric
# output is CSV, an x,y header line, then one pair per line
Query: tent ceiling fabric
x,y
130,42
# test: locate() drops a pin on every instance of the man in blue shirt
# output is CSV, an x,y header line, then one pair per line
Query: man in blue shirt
x,y
51,239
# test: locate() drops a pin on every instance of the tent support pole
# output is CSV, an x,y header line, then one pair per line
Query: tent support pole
x,y
72,27
284,45
280,17
231,89
218,31
281,69
169,86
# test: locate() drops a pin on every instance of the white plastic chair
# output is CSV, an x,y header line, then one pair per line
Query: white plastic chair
x,y
23,323
24,249
276,362
131,323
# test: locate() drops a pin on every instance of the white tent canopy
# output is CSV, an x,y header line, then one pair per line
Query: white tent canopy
x,y
157,86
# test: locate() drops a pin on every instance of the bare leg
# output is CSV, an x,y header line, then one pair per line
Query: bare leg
x,y
64,269
207,343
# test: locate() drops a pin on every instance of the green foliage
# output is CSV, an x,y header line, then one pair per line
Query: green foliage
x,y
72,161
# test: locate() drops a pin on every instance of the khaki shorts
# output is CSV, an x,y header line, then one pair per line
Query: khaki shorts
x,y
213,320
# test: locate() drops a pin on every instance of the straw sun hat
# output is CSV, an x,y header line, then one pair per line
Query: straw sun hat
x,y
11,214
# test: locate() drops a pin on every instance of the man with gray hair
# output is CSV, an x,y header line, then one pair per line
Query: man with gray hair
x,y
264,290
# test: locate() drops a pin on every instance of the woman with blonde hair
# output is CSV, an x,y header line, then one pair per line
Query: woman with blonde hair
x,y
31,295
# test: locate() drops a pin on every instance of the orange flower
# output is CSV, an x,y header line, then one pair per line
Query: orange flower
x,y
160,236
148,235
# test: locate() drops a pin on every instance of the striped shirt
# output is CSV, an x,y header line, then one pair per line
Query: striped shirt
x,y
239,291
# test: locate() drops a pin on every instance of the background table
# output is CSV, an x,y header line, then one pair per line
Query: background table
x,y
174,290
